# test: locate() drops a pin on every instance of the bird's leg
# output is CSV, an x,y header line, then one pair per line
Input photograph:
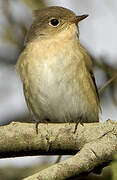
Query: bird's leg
x,y
76,125
37,124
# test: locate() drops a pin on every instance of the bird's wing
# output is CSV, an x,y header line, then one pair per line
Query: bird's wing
x,y
93,78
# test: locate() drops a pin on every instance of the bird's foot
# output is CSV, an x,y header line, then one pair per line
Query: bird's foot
x,y
76,125
37,124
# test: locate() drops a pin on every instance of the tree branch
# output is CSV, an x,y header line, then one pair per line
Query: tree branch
x,y
94,142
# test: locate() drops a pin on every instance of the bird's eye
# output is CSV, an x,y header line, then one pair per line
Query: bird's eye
x,y
54,22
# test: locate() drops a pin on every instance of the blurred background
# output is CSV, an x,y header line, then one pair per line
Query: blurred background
x,y
98,34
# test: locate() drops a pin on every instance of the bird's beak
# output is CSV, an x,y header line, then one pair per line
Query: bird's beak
x,y
80,18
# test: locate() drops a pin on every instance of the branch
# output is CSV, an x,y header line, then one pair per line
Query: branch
x,y
107,83
94,142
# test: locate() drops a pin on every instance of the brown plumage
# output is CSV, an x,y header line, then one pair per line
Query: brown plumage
x,y
56,70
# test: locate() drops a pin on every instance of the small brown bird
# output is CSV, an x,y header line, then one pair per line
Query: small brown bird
x,y
56,70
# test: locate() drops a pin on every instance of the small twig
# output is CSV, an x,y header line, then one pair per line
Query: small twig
x,y
58,159
106,84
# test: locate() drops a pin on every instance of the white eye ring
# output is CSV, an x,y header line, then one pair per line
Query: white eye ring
x,y
54,22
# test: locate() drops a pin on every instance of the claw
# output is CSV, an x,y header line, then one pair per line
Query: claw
x,y
37,124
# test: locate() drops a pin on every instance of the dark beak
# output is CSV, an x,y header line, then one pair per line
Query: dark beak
x,y
80,18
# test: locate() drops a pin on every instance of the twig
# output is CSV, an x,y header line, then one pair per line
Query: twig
x,y
106,84
58,159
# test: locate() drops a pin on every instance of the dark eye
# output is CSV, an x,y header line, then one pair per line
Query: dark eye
x,y
54,22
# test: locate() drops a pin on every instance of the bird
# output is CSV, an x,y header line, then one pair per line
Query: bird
x,y
56,70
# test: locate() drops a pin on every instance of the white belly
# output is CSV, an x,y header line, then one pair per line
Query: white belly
x,y
58,98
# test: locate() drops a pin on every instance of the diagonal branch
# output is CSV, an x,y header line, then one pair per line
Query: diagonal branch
x,y
91,155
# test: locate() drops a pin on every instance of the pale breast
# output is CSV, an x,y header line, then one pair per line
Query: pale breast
x,y
55,80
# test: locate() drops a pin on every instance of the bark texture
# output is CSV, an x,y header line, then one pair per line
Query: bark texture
x,y
92,145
